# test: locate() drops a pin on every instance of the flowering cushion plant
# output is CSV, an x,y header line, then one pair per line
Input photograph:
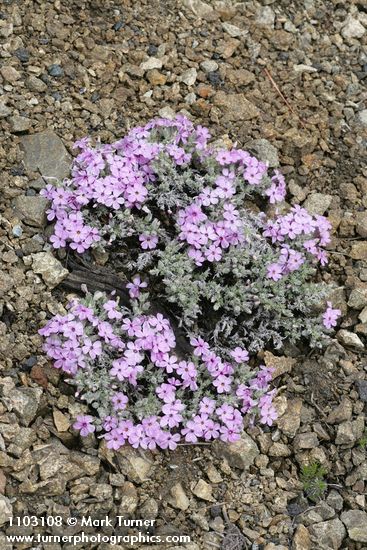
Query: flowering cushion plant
x,y
124,365
197,227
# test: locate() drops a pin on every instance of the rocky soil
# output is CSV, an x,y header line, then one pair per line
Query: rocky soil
x,y
284,78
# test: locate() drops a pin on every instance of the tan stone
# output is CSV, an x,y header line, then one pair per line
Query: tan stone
x,y
61,421
281,364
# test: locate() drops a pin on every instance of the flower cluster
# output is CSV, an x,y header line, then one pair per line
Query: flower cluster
x,y
127,366
298,223
190,219
193,227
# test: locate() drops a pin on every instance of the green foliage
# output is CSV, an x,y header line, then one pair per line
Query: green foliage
x,y
312,477
363,441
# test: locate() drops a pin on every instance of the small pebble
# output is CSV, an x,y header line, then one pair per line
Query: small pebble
x,y
55,70
22,54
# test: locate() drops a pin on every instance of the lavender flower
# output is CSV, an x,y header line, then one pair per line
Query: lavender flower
x,y
84,423
331,316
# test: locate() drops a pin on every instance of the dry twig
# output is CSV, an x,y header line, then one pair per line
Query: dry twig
x,y
276,87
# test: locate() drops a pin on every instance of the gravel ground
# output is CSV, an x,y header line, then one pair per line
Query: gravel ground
x,y
284,78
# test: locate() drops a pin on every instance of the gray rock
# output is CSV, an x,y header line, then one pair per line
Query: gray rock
x,y
359,473
32,209
52,463
4,110
352,28
335,500
361,222
167,112
22,54
24,438
102,492
358,251
6,510
337,296
290,422
188,77
151,63
349,339
358,426
24,402
88,463
232,30
209,66
200,520
362,389
265,17
190,98
317,514
356,523
4,544
201,9
149,509
301,68
240,454
345,434
19,124
45,153
307,440
362,117
55,70
279,449
10,74
317,203
134,466
50,269
178,498
35,84
341,413
203,490
300,193
53,487
235,107
6,282
301,539
129,500
358,298
6,28
266,152
328,534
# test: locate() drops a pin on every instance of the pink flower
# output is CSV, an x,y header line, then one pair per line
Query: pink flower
x,y
94,349
172,416
169,441
110,422
268,415
148,242
330,317
135,286
274,271
166,392
115,439
222,383
110,307
119,401
191,432
84,424
240,355
207,406
213,253
200,346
